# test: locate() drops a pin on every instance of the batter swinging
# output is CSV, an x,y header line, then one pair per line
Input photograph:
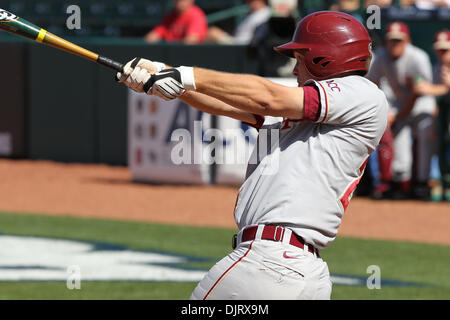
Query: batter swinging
x,y
325,129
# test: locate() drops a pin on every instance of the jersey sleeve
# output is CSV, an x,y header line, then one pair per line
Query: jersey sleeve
x,y
311,103
347,101
161,29
437,74
421,68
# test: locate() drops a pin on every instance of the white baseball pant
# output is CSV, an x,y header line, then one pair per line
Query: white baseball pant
x,y
266,270
420,128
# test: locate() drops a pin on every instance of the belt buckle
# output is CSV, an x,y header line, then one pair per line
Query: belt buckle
x,y
234,241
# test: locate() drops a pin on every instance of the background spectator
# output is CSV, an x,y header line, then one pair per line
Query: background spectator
x,y
426,4
185,23
259,13
348,6
377,39
441,87
441,70
278,29
380,3
402,64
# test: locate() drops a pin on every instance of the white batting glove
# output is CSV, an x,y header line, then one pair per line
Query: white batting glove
x,y
137,72
169,84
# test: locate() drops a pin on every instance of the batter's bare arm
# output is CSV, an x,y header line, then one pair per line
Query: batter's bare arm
x,y
247,93
138,71
251,93
216,107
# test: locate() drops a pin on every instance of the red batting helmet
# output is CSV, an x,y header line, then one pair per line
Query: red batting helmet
x,y
335,43
442,40
397,31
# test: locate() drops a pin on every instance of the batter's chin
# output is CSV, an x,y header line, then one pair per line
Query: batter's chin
x,y
301,83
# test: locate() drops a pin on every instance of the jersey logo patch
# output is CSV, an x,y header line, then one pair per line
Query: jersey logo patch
x,y
333,85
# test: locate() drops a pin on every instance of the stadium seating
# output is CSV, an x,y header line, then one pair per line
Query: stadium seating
x,y
136,17
97,16
103,17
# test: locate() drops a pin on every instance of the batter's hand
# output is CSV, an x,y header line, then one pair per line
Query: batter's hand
x,y
171,83
137,72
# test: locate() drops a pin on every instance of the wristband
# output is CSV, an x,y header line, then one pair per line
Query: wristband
x,y
187,77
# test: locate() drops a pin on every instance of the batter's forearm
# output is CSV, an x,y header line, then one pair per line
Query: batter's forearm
x,y
246,93
216,107
250,93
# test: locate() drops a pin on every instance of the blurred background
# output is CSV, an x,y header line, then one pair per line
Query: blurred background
x,y
74,145
80,115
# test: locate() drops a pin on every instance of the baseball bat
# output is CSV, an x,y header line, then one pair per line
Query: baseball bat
x,y
11,23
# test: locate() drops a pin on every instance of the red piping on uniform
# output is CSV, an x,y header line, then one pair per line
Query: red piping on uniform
x,y
228,270
326,102
345,201
361,169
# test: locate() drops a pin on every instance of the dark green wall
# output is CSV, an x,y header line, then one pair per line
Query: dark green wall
x,y
12,98
62,108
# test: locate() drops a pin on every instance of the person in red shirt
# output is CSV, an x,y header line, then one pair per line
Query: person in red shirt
x,y
185,23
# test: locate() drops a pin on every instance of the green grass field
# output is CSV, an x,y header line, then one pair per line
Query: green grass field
x,y
422,264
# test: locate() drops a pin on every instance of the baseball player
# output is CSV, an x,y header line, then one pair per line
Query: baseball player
x,y
441,70
321,134
440,88
401,64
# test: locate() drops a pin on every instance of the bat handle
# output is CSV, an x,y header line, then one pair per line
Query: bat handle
x,y
117,66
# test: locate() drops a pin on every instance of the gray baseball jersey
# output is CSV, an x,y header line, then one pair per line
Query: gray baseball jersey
x,y
437,73
401,74
308,175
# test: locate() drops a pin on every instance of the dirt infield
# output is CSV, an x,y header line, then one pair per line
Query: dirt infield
x,y
102,191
